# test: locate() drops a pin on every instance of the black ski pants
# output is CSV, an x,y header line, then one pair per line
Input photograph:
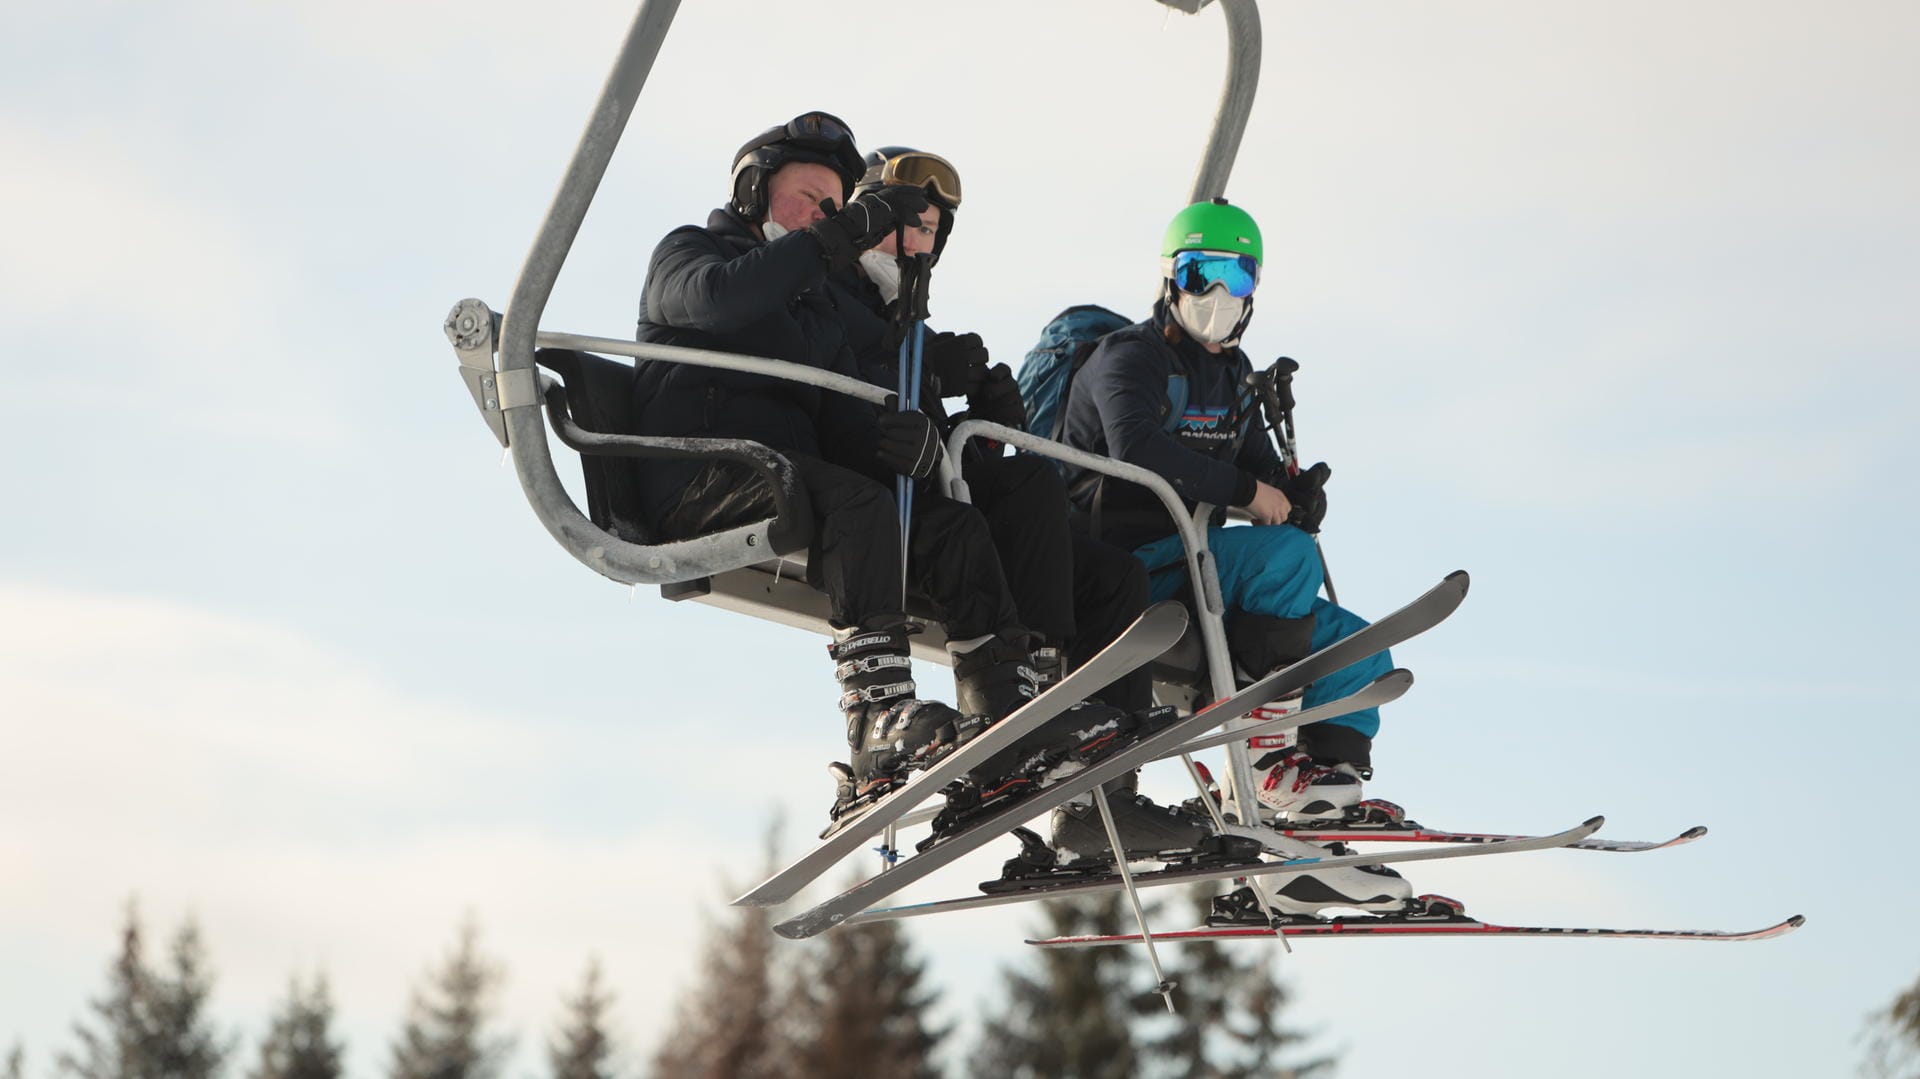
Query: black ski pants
x,y
855,553
1073,590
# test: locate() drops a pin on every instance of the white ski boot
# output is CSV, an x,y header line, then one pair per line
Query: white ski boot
x,y
1294,785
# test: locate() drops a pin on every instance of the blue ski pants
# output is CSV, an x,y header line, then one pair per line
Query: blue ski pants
x,y
1275,570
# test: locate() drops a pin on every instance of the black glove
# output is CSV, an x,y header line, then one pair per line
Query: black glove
x,y
866,221
909,444
995,397
1308,493
955,360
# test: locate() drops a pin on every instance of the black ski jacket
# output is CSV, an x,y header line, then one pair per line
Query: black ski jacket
x,y
722,287
1174,409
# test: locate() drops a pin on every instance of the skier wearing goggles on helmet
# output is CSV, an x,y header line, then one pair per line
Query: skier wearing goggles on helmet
x,y
1076,593
753,280
1170,394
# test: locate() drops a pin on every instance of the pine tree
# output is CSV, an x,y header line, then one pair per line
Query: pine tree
x,y
299,1042
151,1026
727,1026
861,1007
186,1046
444,1036
730,1025
584,1050
1069,1019
16,1063
1893,1039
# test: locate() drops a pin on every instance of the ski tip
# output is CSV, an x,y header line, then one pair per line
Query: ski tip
x,y
1593,823
1175,612
1691,834
1796,921
1460,578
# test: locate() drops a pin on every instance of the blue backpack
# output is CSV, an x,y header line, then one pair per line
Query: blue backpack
x,y
1047,373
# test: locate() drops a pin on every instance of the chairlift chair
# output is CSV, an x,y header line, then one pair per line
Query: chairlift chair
x,y
526,381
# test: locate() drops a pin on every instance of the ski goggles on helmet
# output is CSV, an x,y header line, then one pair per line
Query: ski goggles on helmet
x,y
1198,271
819,133
915,168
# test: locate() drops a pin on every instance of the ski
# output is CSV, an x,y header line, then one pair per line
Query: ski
x,y
1383,822
1385,689
1156,630
1192,875
1441,926
1422,614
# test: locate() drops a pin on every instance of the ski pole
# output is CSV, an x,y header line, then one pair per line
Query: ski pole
x,y
903,485
1164,987
1280,422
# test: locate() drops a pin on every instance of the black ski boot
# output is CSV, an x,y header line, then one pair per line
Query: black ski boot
x,y
993,679
1148,832
1080,850
889,732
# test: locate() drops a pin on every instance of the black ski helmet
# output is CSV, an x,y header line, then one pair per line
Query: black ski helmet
x,y
906,166
817,137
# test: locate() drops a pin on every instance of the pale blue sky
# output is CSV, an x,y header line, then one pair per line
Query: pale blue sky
x,y
1611,305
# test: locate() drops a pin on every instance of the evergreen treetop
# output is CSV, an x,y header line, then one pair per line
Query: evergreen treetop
x,y
299,1042
445,1035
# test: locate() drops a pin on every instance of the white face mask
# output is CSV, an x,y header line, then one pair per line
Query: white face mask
x,y
884,271
1212,317
772,229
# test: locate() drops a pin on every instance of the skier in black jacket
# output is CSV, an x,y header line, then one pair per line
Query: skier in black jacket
x,y
1169,394
753,281
1072,591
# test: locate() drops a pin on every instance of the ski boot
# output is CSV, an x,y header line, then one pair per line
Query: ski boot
x,y
993,678
1368,887
1293,784
890,733
1080,848
1374,889
1072,741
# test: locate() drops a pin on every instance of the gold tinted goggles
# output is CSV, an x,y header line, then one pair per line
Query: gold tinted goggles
x,y
917,169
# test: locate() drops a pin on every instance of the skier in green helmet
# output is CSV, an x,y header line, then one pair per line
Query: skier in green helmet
x,y
1170,394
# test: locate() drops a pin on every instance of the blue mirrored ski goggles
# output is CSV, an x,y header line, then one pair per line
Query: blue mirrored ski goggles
x,y
1198,271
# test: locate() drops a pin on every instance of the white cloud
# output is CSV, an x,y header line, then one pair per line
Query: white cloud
x,y
311,817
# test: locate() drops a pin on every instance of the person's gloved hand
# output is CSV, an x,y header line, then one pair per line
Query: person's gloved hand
x,y
955,360
995,397
866,221
909,444
1307,491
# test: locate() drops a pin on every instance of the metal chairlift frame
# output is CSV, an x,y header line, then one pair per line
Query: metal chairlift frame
x,y
739,568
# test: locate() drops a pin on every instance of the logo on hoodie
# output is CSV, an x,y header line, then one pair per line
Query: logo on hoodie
x,y
1206,424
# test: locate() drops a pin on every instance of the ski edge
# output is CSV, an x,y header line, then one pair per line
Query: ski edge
x,y
1431,835
1357,928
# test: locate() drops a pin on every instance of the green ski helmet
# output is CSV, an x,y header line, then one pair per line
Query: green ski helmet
x,y
1213,226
